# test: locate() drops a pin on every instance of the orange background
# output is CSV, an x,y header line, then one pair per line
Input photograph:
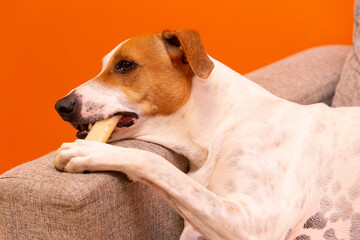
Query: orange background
x,y
50,47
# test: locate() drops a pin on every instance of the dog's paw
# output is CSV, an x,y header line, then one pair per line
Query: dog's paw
x,y
79,156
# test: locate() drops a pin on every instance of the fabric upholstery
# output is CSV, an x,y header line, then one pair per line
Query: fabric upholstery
x,y
38,202
348,89
306,77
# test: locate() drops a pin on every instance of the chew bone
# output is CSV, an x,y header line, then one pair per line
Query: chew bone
x,y
102,130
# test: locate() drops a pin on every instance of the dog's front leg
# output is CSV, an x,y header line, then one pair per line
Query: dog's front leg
x,y
199,206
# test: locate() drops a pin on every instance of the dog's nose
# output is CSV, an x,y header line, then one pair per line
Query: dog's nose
x,y
67,107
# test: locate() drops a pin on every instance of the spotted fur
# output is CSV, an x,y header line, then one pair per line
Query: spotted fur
x,y
303,237
330,235
318,221
355,227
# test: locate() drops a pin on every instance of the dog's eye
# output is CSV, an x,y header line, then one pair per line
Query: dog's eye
x,y
124,66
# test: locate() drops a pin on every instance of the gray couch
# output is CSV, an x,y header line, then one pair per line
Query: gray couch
x,y
38,202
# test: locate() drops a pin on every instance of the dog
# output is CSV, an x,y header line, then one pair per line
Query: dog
x,y
261,167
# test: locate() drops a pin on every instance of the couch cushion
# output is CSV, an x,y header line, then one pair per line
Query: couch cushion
x,y
348,90
306,77
38,202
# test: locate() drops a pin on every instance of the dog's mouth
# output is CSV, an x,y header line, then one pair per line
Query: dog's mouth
x,y
127,120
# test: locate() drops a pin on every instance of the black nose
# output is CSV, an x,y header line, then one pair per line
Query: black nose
x,y
65,105
68,107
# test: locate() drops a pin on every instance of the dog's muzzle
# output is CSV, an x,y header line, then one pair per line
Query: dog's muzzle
x,y
69,108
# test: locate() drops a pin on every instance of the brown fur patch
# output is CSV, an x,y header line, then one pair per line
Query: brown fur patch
x,y
156,85
317,221
334,217
230,185
194,50
325,204
330,235
354,190
344,208
303,237
230,209
355,227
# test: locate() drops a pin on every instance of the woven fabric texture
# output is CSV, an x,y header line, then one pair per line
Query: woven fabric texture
x,y
307,77
348,90
39,202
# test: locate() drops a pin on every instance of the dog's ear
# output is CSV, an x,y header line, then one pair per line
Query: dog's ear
x,y
190,43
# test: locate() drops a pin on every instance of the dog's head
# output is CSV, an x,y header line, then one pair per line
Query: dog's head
x,y
142,77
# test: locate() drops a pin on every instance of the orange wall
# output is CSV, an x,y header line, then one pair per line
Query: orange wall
x,y
49,47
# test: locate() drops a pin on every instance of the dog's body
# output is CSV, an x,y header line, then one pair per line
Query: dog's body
x,y
260,167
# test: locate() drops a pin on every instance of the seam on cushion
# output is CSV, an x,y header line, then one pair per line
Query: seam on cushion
x,y
71,206
66,189
80,203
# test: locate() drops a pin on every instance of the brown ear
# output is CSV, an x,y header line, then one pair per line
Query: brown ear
x,y
189,41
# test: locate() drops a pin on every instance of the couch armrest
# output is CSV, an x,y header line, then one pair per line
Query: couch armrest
x,y
307,77
38,202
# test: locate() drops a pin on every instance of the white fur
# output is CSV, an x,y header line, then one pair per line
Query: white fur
x,y
99,99
259,164
106,59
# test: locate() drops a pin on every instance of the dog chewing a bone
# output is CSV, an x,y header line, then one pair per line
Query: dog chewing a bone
x,y
260,167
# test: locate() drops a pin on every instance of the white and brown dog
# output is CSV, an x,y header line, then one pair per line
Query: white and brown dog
x,y
260,167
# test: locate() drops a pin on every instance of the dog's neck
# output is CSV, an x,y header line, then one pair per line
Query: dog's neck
x,y
223,97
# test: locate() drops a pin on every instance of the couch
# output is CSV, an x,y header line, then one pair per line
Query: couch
x,y
38,202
